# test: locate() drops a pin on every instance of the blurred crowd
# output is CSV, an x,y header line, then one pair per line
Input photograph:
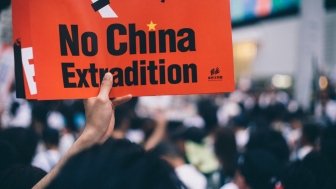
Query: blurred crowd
x,y
256,139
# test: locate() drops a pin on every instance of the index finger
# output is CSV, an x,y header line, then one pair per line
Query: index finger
x,y
106,86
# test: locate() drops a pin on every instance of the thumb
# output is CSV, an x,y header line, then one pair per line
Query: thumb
x,y
106,86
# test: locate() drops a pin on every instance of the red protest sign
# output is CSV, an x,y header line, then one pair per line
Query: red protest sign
x,y
150,47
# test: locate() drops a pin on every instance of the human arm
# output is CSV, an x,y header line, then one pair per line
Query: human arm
x,y
99,125
159,131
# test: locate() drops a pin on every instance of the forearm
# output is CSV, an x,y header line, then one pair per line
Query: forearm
x,y
99,124
156,138
85,141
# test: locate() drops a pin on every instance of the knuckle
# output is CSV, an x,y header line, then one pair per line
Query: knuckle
x,y
100,99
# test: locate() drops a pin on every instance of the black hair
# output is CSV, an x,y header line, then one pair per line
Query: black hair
x,y
116,164
20,177
167,148
260,169
146,124
310,133
51,136
271,141
24,142
125,113
14,108
207,109
226,150
40,112
240,121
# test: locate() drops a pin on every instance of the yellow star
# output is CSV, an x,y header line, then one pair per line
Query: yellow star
x,y
151,26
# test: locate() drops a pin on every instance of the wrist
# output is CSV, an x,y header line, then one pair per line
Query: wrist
x,y
89,137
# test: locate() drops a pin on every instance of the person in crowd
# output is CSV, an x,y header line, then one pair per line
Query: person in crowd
x,y
208,111
159,132
24,142
227,154
239,125
48,158
187,173
325,109
196,146
294,133
124,123
296,176
20,177
317,168
17,147
308,140
258,169
269,140
116,164
96,161
39,117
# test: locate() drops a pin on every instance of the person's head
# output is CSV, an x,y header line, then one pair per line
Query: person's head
x,y
260,169
180,134
39,117
169,152
310,134
20,177
113,165
208,111
24,142
4,4
271,141
50,138
168,149
126,117
146,124
277,112
226,150
239,122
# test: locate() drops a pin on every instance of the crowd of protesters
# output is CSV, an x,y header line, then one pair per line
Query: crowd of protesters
x,y
246,139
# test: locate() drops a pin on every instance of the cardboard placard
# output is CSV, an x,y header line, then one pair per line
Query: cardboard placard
x,y
151,47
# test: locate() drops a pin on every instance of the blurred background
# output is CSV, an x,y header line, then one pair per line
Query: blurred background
x,y
276,128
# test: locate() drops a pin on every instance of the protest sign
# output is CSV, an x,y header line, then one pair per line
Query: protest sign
x,y
151,47
23,51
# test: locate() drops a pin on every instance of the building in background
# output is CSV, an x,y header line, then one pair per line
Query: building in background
x,y
288,43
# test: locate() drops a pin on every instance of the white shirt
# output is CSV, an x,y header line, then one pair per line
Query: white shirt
x,y
304,151
66,142
230,186
46,160
190,177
